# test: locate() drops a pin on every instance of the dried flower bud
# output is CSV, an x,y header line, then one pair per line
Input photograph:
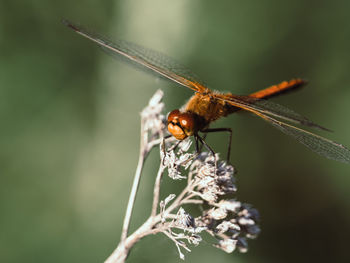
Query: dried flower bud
x,y
228,245
217,213
230,205
184,220
242,245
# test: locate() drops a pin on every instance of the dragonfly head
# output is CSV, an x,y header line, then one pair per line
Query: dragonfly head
x,y
181,124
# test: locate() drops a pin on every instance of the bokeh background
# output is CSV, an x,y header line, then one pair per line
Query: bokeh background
x,y
70,124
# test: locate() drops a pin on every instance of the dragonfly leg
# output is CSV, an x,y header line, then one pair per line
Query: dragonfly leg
x,y
172,148
167,137
201,140
229,130
199,150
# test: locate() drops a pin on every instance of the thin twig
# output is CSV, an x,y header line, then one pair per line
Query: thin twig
x,y
191,201
120,254
176,203
142,156
156,190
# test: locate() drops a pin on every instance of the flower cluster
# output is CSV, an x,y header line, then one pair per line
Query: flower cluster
x,y
232,223
209,185
210,181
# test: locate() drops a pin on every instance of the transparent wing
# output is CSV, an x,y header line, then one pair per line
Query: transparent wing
x,y
316,143
268,108
150,59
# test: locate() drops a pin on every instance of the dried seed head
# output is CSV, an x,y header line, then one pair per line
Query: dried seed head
x,y
175,160
152,118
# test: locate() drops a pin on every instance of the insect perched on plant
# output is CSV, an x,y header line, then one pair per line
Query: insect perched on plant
x,y
206,106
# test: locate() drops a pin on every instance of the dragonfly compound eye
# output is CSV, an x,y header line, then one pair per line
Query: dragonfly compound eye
x,y
180,125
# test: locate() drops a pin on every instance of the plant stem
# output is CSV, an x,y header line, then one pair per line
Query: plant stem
x,y
120,254
136,182
156,190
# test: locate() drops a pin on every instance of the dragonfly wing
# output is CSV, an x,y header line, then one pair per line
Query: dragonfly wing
x,y
285,113
147,58
316,143
268,108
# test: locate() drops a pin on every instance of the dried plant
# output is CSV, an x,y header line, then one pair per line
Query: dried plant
x,y
210,187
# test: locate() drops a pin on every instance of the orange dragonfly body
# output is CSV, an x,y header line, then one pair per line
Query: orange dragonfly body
x,y
206,106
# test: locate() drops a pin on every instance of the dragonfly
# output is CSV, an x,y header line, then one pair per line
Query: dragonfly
x,y
207,106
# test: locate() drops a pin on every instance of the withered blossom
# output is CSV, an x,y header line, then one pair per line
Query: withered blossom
x,y
230,221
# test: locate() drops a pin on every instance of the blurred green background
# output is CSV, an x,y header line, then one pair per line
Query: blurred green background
x,y
70,124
